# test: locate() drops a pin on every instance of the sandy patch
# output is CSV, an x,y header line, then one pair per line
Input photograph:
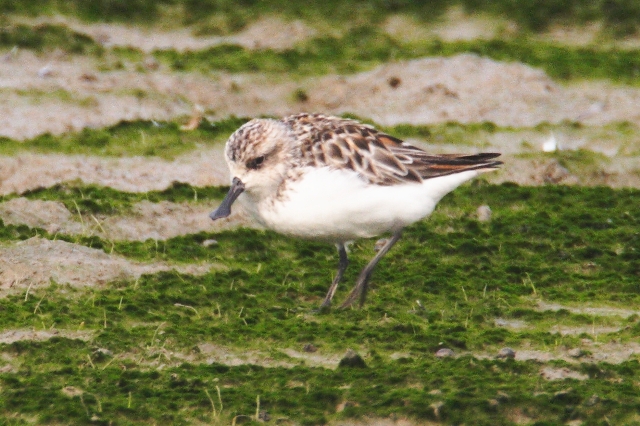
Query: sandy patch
x,y
551,373
52,216
270,32
76,93
463,88
588,310
34,263
213,353
314,359
470,89
207,167
11,336
165,220
455,25
372,421
612,352
565,330
590,351
157,221
134,174
623,172
511,323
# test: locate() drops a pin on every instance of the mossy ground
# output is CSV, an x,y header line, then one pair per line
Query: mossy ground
x,y
356,50
161,139
443,285
220,16
166,140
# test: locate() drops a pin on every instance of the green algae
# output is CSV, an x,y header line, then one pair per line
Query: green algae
x,y
545,235
359,49
92,199
178,394
620,17
165,139
362,48
147,138
46,37
443,285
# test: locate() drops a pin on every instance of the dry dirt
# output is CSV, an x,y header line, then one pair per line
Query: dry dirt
x,y
8,337
271,32
589,310
34,263
470,89
157,221
463,88
22,172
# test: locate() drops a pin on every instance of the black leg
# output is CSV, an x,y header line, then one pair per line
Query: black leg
x,y
342,266
362,284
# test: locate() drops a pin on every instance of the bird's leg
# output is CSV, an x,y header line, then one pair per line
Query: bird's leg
x,y
362,284
342,266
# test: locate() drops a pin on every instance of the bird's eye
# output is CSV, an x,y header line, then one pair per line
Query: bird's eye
x,y
255,163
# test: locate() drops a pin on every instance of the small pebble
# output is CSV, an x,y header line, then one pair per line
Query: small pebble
x,y
89,78
562,395
506,353
352,359
575,353
103,351
394,82
379,244
209,243
264,416
484,213
53,228
151,63
45,71
436,406
556,173
309,347
502,396
593,400
444,353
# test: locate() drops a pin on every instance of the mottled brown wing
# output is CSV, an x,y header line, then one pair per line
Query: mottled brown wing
x,y
377,157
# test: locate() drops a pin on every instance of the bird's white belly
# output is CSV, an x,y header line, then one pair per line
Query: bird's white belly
x,y
338,205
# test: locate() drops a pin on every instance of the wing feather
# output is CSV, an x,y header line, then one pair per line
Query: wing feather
x,y
377,157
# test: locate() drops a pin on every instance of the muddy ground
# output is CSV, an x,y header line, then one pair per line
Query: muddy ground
x,y
56,93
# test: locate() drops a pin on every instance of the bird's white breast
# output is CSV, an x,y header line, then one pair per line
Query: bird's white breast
x,y
338,205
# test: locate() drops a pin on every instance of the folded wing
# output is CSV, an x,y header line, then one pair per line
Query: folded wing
x,y
377,157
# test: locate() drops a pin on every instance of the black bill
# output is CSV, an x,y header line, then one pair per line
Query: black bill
x,y
224,209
